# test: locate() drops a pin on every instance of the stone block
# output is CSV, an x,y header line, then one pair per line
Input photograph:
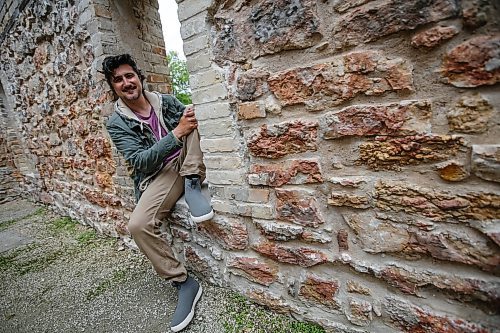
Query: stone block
x,y
254,269
289,172
188,9
330,84
298,207
324,292
251,110
283,139
206,78
486,162
212,111
404,118
226,177
359,312
473,63
216,128
219,145
196,44
434,36
302,256
226,161
471,115
452,171
381,18
193,26
349,200
209,94
278,230
230,233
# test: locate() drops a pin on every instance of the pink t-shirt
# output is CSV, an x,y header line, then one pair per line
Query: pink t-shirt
x,y
158,131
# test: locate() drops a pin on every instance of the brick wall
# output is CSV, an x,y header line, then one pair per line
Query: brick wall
x,y
351,147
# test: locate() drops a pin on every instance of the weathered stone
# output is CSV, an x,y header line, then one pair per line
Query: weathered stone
x,y
321,291
486,162
283,139
357,288
475,62
475,13
341,6
288,172
471,114
330,84
101,199
350,181
251,110
404,118
278,230
299,208
267,27
342,239
269,300
452,171
97,147
434,36
392,153
251,84
350,200
230,233
378,236
414,319
302,256
412,281
380,18
435,204
359,312
255,270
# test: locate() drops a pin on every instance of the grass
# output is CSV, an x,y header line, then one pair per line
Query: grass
x,y
16,260
247,317
39,212
106,284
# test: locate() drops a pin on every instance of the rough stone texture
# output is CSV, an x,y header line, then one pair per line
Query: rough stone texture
x,y
392,153
380,18
230,233
321,291
471,114
284,139
475,62
299,208
256,270
437,205
333,83
289,172
406,118
452,171
326,139
415,319
434,36
359,312
266,27
305,257
486,162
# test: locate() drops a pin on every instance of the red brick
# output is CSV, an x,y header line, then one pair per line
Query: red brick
x,y
255,270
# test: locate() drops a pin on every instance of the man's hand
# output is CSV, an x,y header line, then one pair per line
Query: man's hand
x,y
187,123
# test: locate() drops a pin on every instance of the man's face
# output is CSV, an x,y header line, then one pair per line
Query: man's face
x,y
126,83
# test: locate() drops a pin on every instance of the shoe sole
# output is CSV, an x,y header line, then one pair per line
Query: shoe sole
x,y
206,217
190,316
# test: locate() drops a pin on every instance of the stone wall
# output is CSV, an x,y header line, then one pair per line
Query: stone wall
x,y
351,146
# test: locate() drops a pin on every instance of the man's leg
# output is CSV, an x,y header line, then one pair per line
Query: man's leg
x,y
144,225
190,165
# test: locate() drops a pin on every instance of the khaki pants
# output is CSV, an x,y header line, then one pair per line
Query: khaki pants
x,y
157,201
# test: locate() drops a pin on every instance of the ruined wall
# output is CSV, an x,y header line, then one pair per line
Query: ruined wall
x,y
353,158
351,146
58,102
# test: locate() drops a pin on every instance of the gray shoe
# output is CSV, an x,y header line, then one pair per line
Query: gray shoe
x,y
199,207
189,293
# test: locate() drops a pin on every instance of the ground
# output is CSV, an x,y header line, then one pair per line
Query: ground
x,y
59,276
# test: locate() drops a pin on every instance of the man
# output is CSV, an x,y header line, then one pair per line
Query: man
x,y
157,135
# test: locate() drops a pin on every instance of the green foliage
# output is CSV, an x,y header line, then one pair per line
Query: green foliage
x,y
64,223
118,276
86,237
39,212
251,318
180,77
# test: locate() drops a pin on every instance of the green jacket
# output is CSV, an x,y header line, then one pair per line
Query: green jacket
x,y
135,140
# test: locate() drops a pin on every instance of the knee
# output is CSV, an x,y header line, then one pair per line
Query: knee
x,y
136,225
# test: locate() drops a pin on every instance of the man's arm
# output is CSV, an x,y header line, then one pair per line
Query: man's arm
x,y
130,145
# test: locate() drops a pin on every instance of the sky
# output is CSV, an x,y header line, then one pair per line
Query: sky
x,y
171,26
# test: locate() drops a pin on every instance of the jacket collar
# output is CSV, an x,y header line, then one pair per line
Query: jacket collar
x,y
154,99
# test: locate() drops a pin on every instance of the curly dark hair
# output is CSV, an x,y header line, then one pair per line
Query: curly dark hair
x,y
109,64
